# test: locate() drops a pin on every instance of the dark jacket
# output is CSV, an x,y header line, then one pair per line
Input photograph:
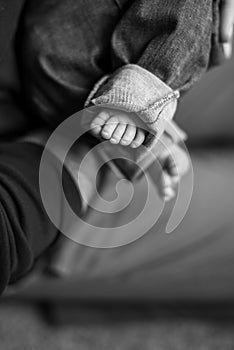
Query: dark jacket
x,y
25,230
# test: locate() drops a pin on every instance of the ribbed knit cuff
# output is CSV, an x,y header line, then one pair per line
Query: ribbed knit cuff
x,y
134,89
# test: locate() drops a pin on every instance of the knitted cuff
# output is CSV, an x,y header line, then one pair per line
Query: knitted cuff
x,y
134,89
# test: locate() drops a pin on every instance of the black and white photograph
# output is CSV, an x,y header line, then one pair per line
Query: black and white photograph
x,y
116,175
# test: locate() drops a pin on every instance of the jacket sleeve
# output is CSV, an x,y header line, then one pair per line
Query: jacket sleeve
x,y
25,230
172,40
162,49
175,41
61,59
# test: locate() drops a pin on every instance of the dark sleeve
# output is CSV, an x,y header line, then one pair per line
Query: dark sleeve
x,y
171,39
25,230
64,50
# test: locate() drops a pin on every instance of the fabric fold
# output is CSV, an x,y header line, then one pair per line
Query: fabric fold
x,y
134,89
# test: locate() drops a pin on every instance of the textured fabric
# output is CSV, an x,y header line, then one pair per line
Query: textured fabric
x,y
66,47
172,39
25,229
134,89
12,119
9,9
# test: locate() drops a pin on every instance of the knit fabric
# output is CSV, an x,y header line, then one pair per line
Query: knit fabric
x,y
134,89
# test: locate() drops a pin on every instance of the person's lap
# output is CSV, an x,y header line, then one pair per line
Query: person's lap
x,y
197,254
193,262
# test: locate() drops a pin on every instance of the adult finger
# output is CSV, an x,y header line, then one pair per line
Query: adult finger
x,y
226,21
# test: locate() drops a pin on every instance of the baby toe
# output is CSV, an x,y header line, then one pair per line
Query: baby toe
x,y
96,129
129,135
139,138
118,133
109,127
99,121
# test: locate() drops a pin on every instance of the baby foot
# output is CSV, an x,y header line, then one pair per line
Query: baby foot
x,y
118,127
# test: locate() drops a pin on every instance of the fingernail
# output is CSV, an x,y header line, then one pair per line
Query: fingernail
x,y
134,145
95,127
113,140
124,142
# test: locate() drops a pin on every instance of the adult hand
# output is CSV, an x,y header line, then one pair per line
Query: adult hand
x,y
226,26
